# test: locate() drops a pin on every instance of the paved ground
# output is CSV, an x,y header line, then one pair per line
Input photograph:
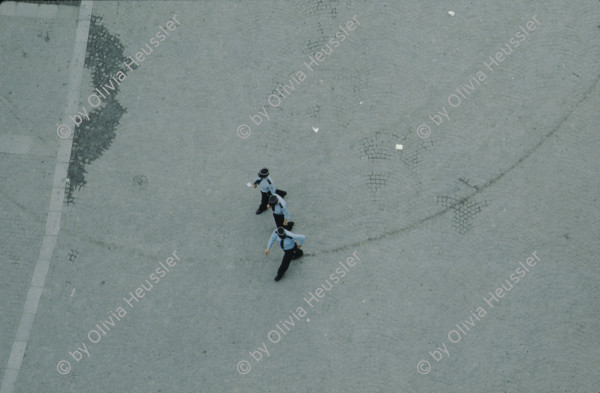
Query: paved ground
x,y
464,261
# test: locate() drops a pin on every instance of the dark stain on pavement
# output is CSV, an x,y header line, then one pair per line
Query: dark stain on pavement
x,y
104,57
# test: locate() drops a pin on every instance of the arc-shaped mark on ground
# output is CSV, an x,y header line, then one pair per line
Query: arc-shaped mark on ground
x,y
482,188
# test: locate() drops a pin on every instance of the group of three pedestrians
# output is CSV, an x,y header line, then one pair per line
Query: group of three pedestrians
x,y
290,242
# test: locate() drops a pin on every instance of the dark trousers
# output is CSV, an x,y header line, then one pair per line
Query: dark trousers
x,y
292,253
265,198
279,218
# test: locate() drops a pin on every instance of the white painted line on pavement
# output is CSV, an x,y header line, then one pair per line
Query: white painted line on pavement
x,y
15,359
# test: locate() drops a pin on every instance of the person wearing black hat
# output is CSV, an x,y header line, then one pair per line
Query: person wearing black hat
x,y
265,183
290,244
281,214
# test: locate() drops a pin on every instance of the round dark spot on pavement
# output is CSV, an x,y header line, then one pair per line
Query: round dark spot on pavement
x,y
140,182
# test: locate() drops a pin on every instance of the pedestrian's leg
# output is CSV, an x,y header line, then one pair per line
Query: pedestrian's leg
x,y
285,263
278,220
263,202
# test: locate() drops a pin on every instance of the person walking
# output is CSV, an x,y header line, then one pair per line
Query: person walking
x,y
267,188
290,244
281,214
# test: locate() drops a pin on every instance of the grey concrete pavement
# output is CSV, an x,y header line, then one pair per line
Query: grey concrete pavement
x,y
475,245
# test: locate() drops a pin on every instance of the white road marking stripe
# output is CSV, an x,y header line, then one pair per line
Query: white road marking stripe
x,y
15,359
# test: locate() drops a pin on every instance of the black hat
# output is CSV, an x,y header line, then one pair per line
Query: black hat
x,y
281,232
263,173
273,200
